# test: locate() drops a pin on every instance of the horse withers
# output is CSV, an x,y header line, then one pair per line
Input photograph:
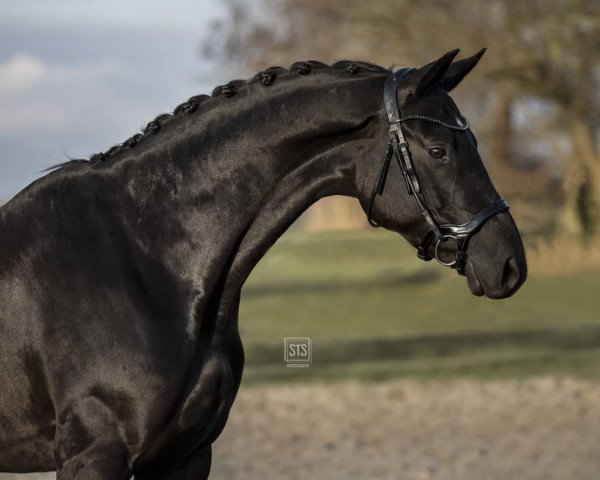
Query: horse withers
x,y
120,275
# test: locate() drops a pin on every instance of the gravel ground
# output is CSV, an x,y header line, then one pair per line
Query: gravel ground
x,y
542,428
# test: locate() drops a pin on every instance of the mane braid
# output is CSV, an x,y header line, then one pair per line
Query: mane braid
x,y
266,77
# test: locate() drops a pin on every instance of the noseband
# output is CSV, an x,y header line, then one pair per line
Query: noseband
x,y
398,148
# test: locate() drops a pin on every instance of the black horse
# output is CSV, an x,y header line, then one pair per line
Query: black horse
x,y
120,275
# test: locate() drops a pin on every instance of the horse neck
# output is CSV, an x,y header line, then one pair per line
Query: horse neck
x,y
242,175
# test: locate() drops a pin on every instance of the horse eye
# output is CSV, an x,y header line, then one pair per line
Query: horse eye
x,y
437,152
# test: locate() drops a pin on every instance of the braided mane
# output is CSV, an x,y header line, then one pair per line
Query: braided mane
x,y
266,78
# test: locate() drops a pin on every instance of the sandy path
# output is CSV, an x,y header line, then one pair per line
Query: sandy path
x,y
452,430
535,429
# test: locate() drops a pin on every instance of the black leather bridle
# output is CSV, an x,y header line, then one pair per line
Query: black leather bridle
x,y
398,148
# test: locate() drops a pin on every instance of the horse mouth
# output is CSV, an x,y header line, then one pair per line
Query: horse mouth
x,y
473,281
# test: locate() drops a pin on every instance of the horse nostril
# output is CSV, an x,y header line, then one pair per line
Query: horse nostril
x,y
511,275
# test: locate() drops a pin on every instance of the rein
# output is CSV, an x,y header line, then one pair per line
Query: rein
x,y
398,148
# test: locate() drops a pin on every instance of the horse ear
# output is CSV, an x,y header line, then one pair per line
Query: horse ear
x,y
459,70
417,81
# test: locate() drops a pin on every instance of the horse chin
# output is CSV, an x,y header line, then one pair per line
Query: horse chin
x,y
473,281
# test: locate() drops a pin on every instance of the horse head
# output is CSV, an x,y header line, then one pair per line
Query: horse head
x,y
444,202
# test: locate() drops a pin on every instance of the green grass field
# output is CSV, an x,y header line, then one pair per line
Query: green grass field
x,y
374,311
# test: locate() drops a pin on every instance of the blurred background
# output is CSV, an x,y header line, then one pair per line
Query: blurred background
x,y
411,377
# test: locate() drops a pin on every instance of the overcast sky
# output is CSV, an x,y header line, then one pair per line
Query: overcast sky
x,y
77,76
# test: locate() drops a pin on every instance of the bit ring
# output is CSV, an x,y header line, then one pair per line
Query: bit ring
x,y
437,245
